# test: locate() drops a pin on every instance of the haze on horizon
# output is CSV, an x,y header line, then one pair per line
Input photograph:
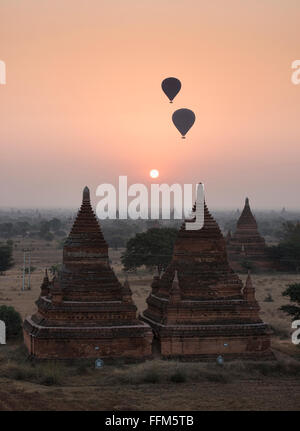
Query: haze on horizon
x,y
83,103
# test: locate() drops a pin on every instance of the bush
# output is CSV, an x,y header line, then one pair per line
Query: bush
x,y
217,377
51,373
45,374
81,370
55,269
22,372
49,380
12,320
178,377
269,298
32,269
151,376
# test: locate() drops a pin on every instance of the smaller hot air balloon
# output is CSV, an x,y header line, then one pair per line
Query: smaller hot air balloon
x,y
171,87
183,120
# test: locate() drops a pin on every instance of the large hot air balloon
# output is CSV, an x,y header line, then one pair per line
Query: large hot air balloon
x,y
171,87
183,120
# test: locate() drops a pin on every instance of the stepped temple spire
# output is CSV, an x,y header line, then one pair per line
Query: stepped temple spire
x,y
175,295
246,244
198,308
86,194
45,285
86,231
249,291
247,220
126,291
85,311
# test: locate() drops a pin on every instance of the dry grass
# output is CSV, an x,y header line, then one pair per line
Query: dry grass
x,y
15,365
152,385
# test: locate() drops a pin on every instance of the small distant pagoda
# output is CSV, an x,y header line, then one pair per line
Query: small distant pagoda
x,y
85,312
246,246
199,308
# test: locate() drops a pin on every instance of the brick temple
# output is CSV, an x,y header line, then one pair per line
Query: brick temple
x,y
246,246
85,311
199,307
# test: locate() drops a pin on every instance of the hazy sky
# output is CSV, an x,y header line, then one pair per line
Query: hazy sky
x,y
83,102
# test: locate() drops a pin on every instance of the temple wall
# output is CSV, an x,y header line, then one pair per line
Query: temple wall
x,y
191,314
89,317
199,346
27,341
133,347
214,316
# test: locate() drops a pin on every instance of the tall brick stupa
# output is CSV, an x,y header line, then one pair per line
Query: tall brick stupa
x,y
247,245
85,311
199,307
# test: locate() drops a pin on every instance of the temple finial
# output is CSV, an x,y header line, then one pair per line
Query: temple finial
x,y
86,194
157,273
175,280
126,282
126,291
249,279
249,291
247,201
175,295
45,284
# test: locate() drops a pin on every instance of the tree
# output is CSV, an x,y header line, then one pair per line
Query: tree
x,y
61,243
293,292
287,252
55,224
48,236
55,269
151,248
6,260
44,229
6,229
12,320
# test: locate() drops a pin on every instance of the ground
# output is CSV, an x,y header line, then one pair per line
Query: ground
x,y
244,395
153,385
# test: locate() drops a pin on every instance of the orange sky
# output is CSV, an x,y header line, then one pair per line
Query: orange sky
x,y
83,102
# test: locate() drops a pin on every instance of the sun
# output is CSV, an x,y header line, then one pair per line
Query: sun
x,y
154,173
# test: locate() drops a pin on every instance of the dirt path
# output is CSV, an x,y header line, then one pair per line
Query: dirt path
x,y
270,394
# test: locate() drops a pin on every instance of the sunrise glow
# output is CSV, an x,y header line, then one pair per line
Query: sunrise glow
x,y
154,173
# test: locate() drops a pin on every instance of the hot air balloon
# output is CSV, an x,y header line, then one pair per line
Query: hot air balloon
x,y
171,87
183,120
